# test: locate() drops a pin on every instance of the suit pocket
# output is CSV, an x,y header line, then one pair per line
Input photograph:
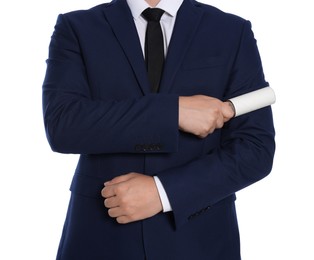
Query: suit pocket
x,y
203,63
87,186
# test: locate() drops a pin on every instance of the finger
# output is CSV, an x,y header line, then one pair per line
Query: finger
x,y
115,212
119,179
111,202
108,192
220,122
124,220
228,110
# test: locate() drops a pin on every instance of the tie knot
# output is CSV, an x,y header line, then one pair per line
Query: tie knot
x,y
153,14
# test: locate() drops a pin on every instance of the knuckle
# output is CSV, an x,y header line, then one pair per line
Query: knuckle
x,y
119,189
128,210
215,111
131,218
208,129
123,202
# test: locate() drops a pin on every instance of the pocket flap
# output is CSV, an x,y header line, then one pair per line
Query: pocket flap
x,y
87,185
204,62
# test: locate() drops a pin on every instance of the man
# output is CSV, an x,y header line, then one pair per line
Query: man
x,y
158,169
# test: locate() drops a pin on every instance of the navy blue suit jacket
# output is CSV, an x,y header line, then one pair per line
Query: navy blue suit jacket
x,y
97,103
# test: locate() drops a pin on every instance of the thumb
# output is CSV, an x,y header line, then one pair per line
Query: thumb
x,y
118,179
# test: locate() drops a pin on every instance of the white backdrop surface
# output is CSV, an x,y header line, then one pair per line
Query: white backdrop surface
x,y
276,215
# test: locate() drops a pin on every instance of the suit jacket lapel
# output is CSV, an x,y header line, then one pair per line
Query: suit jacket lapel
x,y
121,21
187,21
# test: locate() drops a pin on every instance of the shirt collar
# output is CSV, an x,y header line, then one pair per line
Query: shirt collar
x,y
169,6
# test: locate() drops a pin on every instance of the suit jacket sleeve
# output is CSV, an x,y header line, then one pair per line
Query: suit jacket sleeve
x,y
77,122
244,155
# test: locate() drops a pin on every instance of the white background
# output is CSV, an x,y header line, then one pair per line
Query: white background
x,y
276,215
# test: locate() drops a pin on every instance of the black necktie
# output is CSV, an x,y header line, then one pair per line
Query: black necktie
x,y
154,46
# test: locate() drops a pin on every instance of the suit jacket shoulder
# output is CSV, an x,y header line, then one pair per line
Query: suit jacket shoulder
x,y
221,17
84,15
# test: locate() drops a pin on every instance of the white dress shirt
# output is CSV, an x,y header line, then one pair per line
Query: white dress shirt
x,y
167,22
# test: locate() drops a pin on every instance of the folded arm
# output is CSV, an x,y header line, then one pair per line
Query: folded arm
x,y
134,196
246,148
77,120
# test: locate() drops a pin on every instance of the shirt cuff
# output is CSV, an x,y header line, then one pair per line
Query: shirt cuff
x,y
163,195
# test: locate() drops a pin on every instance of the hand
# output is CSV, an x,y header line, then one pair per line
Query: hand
x,y
201,115
131,197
